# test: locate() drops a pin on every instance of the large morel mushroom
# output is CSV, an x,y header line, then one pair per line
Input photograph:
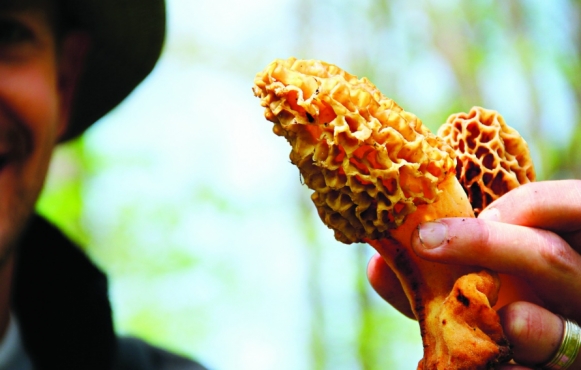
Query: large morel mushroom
x,y
377,172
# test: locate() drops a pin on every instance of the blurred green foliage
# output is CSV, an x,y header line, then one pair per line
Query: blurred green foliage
x,y
62,202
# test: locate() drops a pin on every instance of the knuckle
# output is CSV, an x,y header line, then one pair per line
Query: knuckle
x,y
555,252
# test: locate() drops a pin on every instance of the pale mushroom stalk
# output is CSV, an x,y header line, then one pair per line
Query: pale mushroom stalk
x,y
377,172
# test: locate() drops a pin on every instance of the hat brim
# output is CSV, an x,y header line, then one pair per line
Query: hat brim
x,y
126,41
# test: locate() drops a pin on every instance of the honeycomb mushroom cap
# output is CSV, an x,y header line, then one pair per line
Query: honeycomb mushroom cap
x,y
493,158
369,162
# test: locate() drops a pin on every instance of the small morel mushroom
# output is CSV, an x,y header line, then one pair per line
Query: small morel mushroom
x,y
492,158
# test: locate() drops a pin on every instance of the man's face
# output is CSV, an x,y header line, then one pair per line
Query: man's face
x,y
35,97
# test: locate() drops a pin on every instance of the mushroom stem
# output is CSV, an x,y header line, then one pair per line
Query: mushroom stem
x,y
429,285
414,272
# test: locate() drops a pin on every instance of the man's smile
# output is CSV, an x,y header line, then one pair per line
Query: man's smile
x,y
15,144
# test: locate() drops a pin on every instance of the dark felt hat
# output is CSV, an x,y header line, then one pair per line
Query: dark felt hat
x,y
126,41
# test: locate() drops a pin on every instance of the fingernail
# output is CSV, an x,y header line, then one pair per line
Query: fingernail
x,y
433,234
490,214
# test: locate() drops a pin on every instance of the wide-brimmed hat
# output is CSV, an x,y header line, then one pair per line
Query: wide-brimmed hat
x,y
126,41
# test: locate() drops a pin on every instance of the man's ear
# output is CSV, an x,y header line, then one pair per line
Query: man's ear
x,y
71,62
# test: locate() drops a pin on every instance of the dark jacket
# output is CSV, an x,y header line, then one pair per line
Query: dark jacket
x,y
62,304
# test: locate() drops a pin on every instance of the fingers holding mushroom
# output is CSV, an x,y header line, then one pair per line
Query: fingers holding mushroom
x,y
550,205
534,332
544,260
536,335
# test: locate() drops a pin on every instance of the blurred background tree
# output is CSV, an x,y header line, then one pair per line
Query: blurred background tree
x,y
188,201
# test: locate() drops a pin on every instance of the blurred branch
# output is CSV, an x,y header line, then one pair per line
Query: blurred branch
x,y
314,288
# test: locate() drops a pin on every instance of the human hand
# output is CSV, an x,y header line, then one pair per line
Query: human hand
x,y
532,233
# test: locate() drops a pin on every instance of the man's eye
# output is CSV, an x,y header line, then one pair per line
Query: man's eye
x,y
12,32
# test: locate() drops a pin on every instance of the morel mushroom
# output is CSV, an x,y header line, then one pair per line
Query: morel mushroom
x,y
492,157
377,172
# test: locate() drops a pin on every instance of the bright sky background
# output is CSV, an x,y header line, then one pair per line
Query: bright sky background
x,y
206,155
